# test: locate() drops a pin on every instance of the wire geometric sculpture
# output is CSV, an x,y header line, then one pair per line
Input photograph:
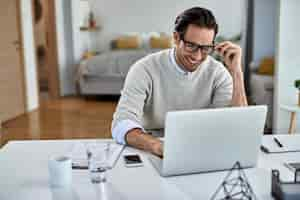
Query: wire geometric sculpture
x,y
235,187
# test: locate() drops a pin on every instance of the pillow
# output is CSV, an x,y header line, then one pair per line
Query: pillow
x,y
89,54
128,42
266,66
161,42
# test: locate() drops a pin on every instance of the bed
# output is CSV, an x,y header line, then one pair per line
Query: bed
x,y
105,74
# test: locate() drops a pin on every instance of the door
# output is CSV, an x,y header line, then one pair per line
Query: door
x,y
39,26
46,47
52,56
12,88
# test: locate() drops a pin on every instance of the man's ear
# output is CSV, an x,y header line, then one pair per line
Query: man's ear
x,y
176,38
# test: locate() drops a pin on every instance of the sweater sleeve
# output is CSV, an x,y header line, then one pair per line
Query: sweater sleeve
x,y
223,88
120,130
135,93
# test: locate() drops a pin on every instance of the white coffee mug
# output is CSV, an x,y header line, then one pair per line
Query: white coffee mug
x,y
60,171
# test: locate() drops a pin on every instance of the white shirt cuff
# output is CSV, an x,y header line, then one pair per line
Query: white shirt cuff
x,y
120,130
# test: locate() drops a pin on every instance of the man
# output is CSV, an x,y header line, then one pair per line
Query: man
x,y
183,78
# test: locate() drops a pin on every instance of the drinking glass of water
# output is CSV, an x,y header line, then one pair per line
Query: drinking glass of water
x,y
98,154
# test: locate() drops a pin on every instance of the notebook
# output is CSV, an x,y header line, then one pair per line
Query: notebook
x,y
287,143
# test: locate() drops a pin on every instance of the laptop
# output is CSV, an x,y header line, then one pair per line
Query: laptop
x,y
211,140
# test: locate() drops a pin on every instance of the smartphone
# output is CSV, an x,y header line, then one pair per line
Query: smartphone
x,y
132,160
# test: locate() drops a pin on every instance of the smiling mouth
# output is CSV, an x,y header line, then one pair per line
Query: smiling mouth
x,y
193,62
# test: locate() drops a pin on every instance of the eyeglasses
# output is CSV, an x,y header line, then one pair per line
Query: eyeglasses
x,y
193,48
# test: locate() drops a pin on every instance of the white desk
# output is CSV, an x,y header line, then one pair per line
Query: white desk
x,y
24,175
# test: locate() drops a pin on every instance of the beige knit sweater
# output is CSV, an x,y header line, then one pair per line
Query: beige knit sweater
x,y
153,87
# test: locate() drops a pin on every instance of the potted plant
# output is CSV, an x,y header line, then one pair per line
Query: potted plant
x,y
297,85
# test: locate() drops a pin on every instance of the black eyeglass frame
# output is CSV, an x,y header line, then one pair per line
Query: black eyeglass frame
x,y
206,49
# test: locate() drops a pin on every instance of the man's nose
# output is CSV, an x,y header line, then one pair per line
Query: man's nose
x,y
197,55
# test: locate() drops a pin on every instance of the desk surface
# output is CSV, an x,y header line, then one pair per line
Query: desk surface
x,y
24,175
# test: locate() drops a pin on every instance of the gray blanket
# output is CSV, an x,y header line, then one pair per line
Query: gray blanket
x,y
113,63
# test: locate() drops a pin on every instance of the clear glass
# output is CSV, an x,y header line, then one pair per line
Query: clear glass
x,y
98,160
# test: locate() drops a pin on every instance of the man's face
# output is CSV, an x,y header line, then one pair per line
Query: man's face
x,y
187,53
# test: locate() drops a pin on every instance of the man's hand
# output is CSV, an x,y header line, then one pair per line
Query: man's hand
x,y
138,139
157,148
232,55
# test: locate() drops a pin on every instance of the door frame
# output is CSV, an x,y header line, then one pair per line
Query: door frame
x,y
21,54
52,52
51,36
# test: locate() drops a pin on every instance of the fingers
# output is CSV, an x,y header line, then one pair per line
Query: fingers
x,y
161,154
224,47
157,148
221,44
230,53
223,50
161,149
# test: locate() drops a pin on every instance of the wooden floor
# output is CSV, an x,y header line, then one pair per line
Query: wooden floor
x,y
66,118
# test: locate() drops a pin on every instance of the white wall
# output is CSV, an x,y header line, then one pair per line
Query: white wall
x,y
65,50
139,16
287,62
119,16
265,12
76,23
29,56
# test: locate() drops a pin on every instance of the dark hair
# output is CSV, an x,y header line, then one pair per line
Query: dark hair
x,y
198,16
